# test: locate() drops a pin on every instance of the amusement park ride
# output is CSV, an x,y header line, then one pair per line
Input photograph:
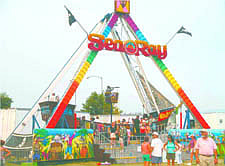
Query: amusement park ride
x,y
136,44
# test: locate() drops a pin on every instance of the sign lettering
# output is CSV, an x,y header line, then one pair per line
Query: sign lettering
x,y
99,42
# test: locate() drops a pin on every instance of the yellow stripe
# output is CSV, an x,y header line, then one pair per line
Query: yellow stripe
x,y
166,71
174,83
82,72
171,79
78,79
87,64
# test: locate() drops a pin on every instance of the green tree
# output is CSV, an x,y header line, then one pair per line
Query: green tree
x,y
5,101
96,105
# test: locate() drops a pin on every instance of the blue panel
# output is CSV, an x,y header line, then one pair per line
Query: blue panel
x,y
62,131
182,133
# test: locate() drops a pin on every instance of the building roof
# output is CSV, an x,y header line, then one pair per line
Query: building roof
x,y
213,111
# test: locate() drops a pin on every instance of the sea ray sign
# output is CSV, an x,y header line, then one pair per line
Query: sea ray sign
x,y
99,42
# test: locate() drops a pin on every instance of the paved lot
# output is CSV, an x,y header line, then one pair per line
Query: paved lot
x,y
95,164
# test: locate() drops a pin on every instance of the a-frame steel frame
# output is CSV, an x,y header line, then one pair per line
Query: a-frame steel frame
x,y
162,67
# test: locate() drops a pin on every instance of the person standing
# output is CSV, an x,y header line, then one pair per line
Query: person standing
x,y
192,146
150,120
156,147
92,125
148,130
113,134
128,134
170,147
137,125
83,123
121,140
179,153
97,123
146,151
3,153
205,150
124,134
142,130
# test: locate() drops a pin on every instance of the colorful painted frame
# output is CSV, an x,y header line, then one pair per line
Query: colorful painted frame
x,y
62,144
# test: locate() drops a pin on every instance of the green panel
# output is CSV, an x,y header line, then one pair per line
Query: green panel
x,y
159,62
90,60
160,65
155,58
92,56
163,68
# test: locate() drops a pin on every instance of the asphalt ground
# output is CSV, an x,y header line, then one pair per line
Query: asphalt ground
x,y
95,164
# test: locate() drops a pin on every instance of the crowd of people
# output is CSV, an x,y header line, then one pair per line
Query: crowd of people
x,y
139,126
153,151
204,149
123,131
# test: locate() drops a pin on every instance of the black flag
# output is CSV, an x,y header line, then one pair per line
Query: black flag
x,y
71,17
183,30
107,17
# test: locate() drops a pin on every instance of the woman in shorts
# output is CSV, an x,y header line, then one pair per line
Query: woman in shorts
x,y
146,151
170,147
191,146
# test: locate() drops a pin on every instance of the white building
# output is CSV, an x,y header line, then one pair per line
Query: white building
x,y
7,122
216,119
81,114
10,118
107,118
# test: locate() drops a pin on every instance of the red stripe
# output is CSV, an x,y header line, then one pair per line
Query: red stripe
x,y
181,123
62,106
193,109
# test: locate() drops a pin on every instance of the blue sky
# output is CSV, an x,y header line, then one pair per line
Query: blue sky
x,y
36,41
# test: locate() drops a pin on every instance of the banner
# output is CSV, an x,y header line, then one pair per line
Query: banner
x,y
62,144
115,97
165,114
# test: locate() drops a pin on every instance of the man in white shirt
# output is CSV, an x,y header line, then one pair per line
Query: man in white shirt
x,y
156,147
206,150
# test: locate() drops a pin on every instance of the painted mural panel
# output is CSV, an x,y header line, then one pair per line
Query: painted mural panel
x,y
62,144
184,136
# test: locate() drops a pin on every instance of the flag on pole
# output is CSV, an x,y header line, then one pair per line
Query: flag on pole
x,y
72,20
106,17
177,108
71,16
183,30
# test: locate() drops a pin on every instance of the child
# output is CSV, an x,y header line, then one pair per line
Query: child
x,y
128,134
146,151
121,143
178,153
